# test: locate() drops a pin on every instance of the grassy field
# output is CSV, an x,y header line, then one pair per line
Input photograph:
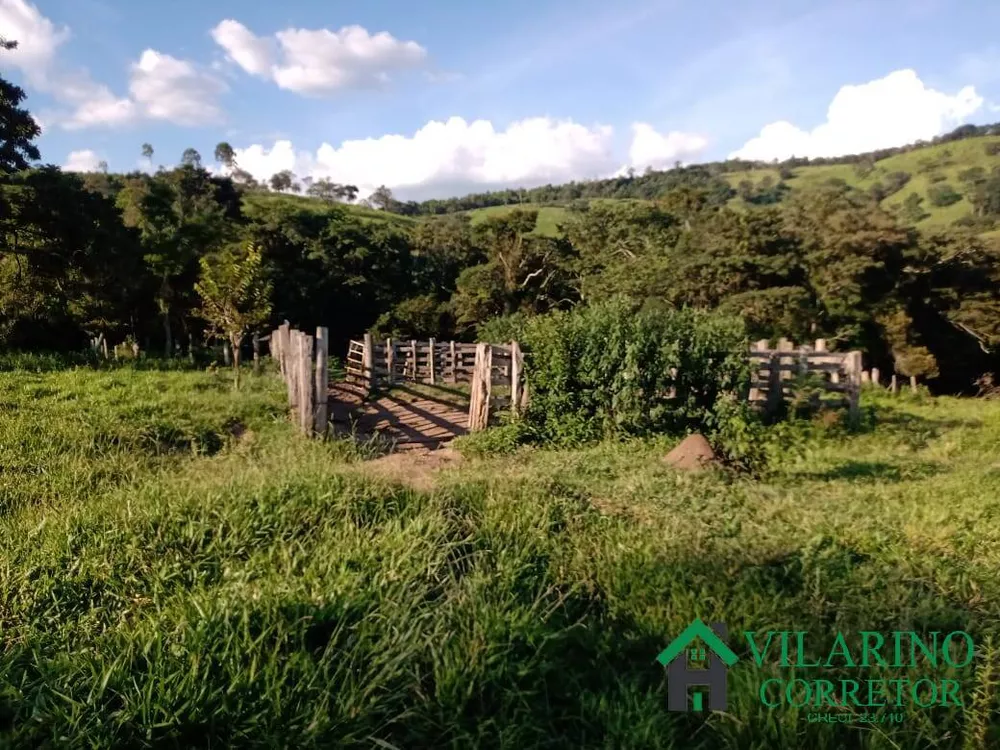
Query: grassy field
x,y
178,569
943,162
549,217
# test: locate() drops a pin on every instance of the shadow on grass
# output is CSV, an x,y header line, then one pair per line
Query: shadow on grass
x,y
874,471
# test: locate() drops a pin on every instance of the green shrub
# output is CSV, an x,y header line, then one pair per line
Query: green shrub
x,y
609,369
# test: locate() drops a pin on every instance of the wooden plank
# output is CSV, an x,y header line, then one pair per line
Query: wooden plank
x,y
322,384
305,383
517,363
390,361
289,345
430,354
479,402
453,363
368,363
413,358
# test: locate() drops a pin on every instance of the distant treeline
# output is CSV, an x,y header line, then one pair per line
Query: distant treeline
x,y
654,183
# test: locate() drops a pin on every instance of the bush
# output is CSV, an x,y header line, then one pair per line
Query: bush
x,y
943,194
609,370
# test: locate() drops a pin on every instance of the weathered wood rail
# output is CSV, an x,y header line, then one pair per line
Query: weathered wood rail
x,y
371,366
303,363
776,369
382,364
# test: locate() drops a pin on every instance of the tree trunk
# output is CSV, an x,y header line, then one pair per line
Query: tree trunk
x,y
235,343
168,334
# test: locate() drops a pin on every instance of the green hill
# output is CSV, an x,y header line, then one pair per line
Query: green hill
x,y
939,164
922,169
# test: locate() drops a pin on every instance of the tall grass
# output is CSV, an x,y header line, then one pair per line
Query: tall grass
x,y
262,594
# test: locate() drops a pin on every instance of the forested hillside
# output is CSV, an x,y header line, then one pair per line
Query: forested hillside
x,y
840,250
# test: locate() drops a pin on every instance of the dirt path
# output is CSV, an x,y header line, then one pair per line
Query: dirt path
x,y
410,419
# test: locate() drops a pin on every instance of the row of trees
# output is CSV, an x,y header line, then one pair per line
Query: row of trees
x,y
180,254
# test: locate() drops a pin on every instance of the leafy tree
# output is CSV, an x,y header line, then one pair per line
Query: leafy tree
x,y
225,155
283,180
382,198
147,151
943,194
235,294
191,158
912,209
17,127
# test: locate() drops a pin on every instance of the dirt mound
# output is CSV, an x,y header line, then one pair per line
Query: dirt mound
x,y
416,467
693,453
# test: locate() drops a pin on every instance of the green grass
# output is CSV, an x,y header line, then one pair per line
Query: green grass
x,y
253,201
549,217
946,160
255,590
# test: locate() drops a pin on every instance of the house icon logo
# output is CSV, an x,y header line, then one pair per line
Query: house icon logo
x,y
680,658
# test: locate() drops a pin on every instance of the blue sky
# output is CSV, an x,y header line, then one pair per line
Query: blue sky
x,y
566,89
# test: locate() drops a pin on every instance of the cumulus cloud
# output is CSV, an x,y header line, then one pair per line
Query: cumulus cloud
x,y
318,62
161,87
36,36
82,161
455,156
444,156
886,112
657,151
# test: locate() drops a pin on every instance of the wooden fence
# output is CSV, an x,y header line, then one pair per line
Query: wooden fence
x,y
373,365
776,369
303,362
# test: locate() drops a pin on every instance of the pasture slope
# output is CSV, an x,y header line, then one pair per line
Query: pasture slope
x,y
178,569
933,164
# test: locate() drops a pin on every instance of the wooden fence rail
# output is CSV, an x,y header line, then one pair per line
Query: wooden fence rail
x,y
776,369
303,362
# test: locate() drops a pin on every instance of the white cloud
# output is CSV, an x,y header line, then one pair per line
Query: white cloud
x,y
36,36
886,112
251,53
161,87
82,161
318,62
447,158
166,88
652,149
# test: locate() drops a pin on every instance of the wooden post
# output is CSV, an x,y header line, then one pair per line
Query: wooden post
x,y
368,363
291,368
516,368
305,383
875,376
913,383
774,394
284,348
820,345
853,365
322,379
479,401
756,346
390,361
225,353
894,385
413,357
256,353
431,360
454,362
865,377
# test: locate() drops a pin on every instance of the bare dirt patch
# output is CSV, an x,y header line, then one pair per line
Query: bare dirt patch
x,y
417,468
